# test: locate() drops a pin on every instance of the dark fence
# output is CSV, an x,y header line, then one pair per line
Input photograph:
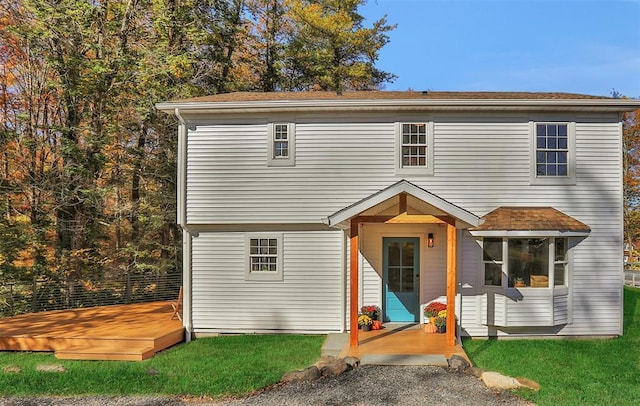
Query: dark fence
x,y
37,295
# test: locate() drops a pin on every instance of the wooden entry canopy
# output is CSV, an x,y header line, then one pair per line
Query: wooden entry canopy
x,y
390,206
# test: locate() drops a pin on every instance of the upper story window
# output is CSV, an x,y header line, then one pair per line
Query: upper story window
x,y
552,150
415,148
553,159
281,144
529,262
280,141
264,257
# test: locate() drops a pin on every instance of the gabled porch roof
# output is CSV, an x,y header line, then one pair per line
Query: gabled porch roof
x,y
425,202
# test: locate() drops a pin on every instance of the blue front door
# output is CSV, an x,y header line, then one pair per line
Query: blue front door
x,y
401,273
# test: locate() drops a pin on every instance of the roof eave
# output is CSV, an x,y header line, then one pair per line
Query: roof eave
x,y
530,233
613,105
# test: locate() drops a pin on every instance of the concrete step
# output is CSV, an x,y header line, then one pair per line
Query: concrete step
x,y
404,359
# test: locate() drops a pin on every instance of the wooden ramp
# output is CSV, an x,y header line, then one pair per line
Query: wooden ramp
x,y
131,332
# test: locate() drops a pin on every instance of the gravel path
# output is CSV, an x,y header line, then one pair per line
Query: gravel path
x,y
367,385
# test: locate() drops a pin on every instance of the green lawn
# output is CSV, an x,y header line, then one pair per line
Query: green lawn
x,y
212,367
572,372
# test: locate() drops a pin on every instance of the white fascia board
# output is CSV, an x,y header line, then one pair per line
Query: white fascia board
x,y
402,187
614,105
528,233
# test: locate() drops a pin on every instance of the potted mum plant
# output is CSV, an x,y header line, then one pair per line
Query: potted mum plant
x,y
365,322
441,324
432,309
371,311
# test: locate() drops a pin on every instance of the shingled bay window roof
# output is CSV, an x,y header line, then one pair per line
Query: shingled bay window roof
x,y
529,220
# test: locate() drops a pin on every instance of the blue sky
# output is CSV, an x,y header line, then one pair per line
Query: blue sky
x,y
578,46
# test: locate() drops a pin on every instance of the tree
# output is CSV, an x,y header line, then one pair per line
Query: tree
x,y
331,50
87,165
631,175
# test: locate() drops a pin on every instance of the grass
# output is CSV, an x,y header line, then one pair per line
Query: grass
x,y
572,372
213,367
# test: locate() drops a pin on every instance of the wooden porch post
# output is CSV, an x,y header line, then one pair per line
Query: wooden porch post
x,y
451,284
353,285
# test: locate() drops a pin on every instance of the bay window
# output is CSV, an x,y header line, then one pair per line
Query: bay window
x,y
528,263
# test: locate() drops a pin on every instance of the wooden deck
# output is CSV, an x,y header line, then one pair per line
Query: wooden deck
x,y
399,339
131,332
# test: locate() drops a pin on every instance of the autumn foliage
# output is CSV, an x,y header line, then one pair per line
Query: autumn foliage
x,y
87,165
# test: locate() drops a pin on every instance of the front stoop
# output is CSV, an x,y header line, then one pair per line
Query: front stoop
x,y
404,359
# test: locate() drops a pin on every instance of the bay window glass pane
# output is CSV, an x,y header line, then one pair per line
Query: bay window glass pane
x,y
559,274
492,274
528,262
561,249
492,249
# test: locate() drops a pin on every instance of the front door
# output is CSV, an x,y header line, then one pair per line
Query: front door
x,y
401,273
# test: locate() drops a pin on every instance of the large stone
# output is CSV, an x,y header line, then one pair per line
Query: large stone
x,y
353,362
528,383
309,374
477,372
50,368
335,367
497,381
12,369
458,363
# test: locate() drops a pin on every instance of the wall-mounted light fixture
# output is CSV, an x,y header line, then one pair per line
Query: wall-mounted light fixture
x,y
430,240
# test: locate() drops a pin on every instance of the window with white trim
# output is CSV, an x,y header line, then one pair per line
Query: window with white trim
x,y
492,261
553,156
527,262
560,262
281,144
264,257
414,143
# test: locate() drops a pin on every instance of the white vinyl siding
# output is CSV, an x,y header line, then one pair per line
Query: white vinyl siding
x,y
308,299
481,162
536,309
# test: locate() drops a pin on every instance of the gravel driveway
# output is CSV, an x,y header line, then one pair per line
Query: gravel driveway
x,y
366,385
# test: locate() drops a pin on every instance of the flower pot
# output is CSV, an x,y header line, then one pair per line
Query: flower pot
x,y
442,329
366,327
429,328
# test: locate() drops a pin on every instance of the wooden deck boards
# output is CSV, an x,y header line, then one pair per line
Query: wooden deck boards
x,y
127,332
403,340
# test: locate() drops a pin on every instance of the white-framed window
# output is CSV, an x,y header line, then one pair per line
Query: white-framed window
x,y
492,261
560,262
553,153
282,146
414,148
263,257
526,262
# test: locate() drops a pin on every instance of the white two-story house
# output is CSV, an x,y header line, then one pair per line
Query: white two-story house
x,y
298,208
